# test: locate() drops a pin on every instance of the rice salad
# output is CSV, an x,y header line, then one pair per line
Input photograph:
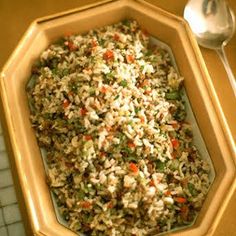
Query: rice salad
x,y
108,110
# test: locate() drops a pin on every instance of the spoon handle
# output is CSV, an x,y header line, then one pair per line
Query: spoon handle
x,y
223,57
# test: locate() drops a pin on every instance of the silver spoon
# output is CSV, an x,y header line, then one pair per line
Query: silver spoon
x,y
213,23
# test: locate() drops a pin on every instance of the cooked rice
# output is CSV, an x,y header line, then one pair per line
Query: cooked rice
x,y
108,110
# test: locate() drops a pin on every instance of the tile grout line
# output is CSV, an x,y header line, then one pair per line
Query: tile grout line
x,y
11,204
4,221
16,222
4,152
7,168
6,225
8,186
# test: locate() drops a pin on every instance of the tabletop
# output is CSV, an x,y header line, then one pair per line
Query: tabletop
x,y
16,16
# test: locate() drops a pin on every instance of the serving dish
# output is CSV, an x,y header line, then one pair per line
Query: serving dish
x,y
37,207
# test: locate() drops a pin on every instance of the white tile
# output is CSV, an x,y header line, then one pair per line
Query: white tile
x,y
2,143
3,231
11,214
5,178
1,218
7,196
4,162
16,229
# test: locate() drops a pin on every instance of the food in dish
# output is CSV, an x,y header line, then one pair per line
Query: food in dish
x,y
108,110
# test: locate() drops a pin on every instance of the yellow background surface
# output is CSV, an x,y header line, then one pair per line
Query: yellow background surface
x,y
16,16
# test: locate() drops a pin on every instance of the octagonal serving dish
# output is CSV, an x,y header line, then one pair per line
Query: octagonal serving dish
x,y
28,169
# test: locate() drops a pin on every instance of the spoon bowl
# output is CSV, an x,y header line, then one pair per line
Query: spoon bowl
x,y
213,24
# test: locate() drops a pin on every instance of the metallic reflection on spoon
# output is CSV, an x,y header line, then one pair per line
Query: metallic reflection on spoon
x,y
213,23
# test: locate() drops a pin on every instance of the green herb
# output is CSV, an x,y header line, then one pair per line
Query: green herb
x,y
148,53
192,189
77,226
88,189
79,127
116,97
137,109
65,215
48,115
154,60
160,165
99,187
31,83
87,218
106,80
80,194
123,83
110,75
126,22
54,63
173,95
101,41
174,164
180,114
65,72
55,71
188,133
131,159
92,91
127,150
36,68
92,59
60,42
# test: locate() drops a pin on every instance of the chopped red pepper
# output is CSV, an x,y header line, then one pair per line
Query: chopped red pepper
x,y
142,119
108,128
184,208
103,154
147,92
109,137
175,143
68,164
133,167
71,46
94,43
184,182
83,111
104,143
116,37
66,103
174,154
145,32
184,211
103,89
175,125
180,199
70,93
167,193
86,204
110,205
88,137
130,58
108,55
144,83
151,183
131,144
